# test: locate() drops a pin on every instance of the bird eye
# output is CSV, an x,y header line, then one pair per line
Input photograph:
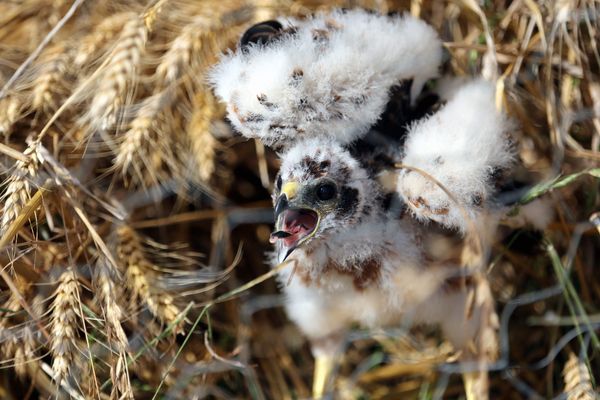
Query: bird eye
x,y
261,33
326,191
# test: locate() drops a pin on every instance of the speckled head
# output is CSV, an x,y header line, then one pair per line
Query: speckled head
x,y
320,189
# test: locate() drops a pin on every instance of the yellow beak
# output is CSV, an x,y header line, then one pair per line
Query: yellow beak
x,y
290,189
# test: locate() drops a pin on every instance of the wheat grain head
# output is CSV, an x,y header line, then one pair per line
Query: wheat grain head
x,y
10,111
141,279
202,143
578,382
50,84
18,190
106,293
92,44
118,77
65,314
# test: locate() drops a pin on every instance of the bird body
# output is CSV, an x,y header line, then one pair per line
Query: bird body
x,y
367,267
342,109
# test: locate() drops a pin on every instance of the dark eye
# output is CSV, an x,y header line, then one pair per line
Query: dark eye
x,y
326,191
261,33
278,183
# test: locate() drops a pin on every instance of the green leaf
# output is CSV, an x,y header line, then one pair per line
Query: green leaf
x,y
556,183
595,172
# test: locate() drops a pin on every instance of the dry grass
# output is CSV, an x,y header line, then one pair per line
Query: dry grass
x,y
118,170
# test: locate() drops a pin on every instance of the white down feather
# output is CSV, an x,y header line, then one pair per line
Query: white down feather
x,y
461,146
335,86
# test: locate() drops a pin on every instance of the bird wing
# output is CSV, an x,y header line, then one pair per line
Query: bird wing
x,y
329,75
464,147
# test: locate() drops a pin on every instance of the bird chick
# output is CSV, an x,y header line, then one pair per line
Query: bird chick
x,y
351,262
335,94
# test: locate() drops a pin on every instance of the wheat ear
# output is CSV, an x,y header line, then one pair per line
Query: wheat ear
x,y
8,338
107,293
65,310
133,149
25,352
92,44
51,84
578,382
203,144
140,277
118,77
18,190
10,112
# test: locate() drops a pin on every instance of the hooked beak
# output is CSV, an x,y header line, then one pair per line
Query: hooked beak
x,y
294,225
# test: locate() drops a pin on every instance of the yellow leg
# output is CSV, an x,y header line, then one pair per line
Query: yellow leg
x,y
476,385
324,365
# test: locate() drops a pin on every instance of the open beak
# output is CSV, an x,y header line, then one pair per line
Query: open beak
x,y
294,225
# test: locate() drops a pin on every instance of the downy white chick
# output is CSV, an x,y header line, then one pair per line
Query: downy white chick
x,y
315,89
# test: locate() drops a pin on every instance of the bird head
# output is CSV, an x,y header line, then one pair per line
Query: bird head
x,y
320,190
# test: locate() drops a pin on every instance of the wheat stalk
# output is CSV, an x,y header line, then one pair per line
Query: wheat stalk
x,y
140,277
118,76
65,311
578,382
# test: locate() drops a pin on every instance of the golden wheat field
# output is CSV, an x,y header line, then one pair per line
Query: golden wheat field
x,y
135,221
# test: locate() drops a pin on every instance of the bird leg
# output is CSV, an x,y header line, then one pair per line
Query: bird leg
x,y
476,385
327,352
324,365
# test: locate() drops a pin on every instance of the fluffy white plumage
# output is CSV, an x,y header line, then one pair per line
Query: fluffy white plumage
x,y
363,265
313,90
325,76
463,146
